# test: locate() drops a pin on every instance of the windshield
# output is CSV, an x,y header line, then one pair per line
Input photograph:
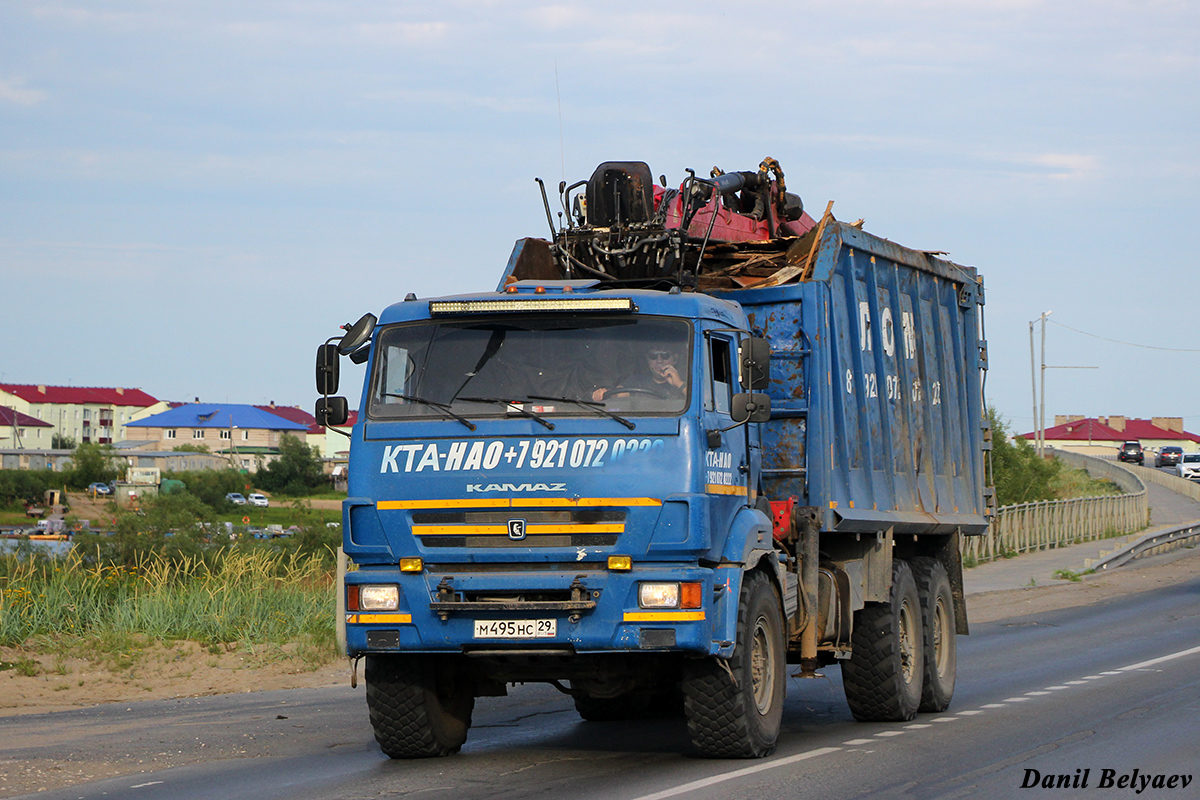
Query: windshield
x,y
1191,457
577,365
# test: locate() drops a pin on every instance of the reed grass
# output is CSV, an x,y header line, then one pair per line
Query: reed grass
x,y
243,598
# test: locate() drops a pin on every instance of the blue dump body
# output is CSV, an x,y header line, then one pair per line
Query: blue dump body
x,y
596,485
876,398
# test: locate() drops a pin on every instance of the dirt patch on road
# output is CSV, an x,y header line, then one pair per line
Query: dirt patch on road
x,y
1153,573
35,683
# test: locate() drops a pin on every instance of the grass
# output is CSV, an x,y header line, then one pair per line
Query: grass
x,y
1070,575
1069,484
251,599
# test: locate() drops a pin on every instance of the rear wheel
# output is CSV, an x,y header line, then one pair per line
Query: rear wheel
x,y
883,677
941,644
734,708
419,705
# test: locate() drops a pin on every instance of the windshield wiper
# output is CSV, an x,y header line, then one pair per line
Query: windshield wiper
x,y
439,406
513,406
592,404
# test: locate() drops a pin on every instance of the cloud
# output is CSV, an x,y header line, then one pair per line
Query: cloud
x,y
1065,166
12,90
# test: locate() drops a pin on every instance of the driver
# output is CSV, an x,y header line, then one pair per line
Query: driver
x,y
658,374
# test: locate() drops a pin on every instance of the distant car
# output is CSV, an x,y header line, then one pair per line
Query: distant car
x,y
236,499
257,499
1168,456
100,488
1189,466
1132,452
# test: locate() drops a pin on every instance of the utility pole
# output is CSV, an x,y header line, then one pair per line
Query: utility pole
x,y
1042,422
1041,446
1039,419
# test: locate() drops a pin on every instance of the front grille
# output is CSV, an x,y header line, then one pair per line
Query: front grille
x,y
531,540
567,527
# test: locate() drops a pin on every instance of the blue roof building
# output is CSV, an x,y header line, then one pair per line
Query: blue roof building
x,y
247,436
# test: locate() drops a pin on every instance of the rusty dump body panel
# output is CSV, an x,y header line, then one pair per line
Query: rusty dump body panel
x,y
876,368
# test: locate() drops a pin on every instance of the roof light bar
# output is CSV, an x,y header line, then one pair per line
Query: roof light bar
x,y
511,305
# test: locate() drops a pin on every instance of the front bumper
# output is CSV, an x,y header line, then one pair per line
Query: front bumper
x,y
594,610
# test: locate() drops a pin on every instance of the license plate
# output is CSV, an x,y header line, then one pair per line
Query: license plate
x,y
515,628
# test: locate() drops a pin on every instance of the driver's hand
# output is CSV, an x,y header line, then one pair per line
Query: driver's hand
x,y
672,376
598,394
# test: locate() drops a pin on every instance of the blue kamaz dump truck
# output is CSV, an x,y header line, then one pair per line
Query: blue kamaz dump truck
x,y
693,438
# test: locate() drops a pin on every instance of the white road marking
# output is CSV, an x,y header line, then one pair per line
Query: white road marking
x,y
143,785
762,767
738,773
1160,659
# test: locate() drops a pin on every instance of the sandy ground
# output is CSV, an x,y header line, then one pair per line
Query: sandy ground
x,y
184,669
157,671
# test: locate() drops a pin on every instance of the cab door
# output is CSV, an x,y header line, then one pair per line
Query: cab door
x,y
725,457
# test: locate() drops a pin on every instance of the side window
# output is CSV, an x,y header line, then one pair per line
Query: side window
x,y
720,373
395,377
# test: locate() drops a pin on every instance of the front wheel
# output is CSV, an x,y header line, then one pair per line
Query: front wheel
x,y
419,705
734,708
883,677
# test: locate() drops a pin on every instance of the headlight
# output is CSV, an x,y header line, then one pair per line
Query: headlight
x,y
669,595
658,595
379,598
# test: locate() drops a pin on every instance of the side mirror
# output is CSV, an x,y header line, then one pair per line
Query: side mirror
x,y
750,407
327,369
332,411
358,333
754,360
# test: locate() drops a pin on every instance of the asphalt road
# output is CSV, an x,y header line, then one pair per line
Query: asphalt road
x,y
1113,686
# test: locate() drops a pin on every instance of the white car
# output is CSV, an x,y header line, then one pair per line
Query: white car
x,y
256,499
1189,466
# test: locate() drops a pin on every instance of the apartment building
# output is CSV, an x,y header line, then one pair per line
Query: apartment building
x,y
83,413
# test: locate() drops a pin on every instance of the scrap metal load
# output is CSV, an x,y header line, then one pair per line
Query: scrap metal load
x,y
731,230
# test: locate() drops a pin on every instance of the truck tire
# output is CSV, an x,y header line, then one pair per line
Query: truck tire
x,y
419,705
883,677
734,708
941,644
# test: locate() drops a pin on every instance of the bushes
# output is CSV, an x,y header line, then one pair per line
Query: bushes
x,y
27,486
297,471
179,527
1020,475
92,463
210,486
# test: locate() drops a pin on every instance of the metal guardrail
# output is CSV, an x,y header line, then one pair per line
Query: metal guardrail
x,y
1151,544
1050,524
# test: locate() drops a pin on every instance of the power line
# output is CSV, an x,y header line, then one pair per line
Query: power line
x,y
1130,344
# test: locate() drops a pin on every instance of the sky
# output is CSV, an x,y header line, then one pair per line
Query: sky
x,y
193,196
